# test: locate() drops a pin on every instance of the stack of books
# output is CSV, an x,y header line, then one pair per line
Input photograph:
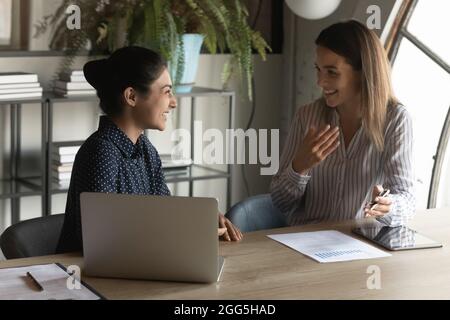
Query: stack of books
x,y
63,157
72,84
19,85
175,166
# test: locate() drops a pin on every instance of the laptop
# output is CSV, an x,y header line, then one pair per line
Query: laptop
x,y
150,237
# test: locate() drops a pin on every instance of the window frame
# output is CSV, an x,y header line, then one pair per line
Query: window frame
x,y
397,37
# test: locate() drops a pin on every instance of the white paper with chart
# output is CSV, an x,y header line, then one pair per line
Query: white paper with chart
x,y
329,246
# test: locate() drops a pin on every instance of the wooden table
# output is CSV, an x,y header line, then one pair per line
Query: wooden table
x,y
260,268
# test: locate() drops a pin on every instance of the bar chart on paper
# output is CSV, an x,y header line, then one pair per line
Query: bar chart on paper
x,y
337,253
329,246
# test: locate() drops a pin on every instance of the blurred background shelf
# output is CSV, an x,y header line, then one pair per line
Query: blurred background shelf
x,y
21,187
191,173
16,187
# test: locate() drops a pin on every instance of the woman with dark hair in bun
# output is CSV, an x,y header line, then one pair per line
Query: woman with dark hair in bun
x,y
135,92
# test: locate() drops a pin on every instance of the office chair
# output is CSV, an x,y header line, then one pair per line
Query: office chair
x,y
256,213
30,238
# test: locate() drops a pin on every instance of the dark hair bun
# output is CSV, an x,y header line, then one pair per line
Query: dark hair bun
x,y
97,73
132,66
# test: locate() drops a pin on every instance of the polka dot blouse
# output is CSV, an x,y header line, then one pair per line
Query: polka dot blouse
x,y
109,162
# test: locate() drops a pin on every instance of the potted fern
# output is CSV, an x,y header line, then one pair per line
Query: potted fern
x,y
175,28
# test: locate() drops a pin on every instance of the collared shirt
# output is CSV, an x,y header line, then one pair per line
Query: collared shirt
x,y
339,187
109,162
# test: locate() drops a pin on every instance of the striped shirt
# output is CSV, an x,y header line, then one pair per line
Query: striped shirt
x,y
339,187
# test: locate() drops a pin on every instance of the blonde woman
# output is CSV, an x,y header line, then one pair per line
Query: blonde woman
x,y
345,148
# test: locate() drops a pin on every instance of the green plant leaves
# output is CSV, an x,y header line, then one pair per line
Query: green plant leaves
x,y
160,24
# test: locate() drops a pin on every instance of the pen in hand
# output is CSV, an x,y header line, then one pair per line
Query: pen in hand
x,y
383,193
29,275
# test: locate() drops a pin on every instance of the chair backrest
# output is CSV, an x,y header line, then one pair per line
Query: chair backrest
x,y
30,238
256,213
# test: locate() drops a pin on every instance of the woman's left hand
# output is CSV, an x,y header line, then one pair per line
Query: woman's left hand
x,y
232,232
383,205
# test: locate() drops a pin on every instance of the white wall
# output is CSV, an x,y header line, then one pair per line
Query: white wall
x,y
38,10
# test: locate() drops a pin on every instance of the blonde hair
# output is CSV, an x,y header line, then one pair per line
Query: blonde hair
x,y
363,50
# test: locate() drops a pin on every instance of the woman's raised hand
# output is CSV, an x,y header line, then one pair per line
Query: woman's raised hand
x,y
317,145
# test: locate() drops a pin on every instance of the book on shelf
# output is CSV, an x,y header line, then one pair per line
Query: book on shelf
x,y
17,77
168,162
59,164
170,172
19,85
22,95
67,167
75,72
66,150
62,183
66,147
61,175
67,158
64,85
71,93
20,90
71,78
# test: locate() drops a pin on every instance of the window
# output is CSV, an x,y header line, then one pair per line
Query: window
x,y
421,80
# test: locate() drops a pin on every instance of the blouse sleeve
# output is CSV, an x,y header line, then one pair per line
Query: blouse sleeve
x,y
398,170
287,186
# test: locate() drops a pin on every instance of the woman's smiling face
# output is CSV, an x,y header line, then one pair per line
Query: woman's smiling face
x,y
339,82
151,111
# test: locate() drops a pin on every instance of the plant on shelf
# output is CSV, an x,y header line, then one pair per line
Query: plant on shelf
x,y
162,25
